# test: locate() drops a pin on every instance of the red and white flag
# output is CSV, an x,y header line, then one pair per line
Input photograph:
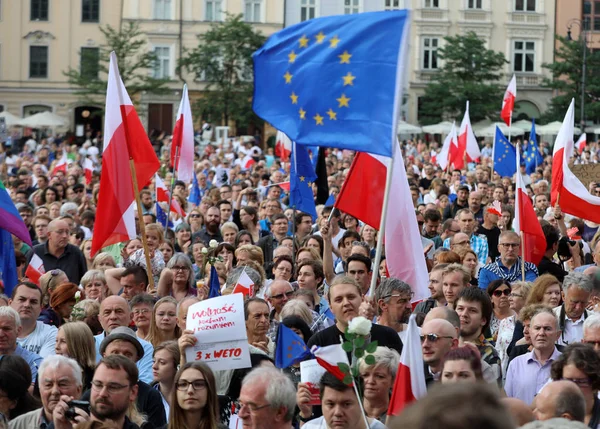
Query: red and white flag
x,y
61,164
508,103
283,146
366,182
248,162
329,357
410,378
433,155
581,143
35,269
567,190
183,138
449,148
527,224
467,143
115,217
244,285
88,168
163,194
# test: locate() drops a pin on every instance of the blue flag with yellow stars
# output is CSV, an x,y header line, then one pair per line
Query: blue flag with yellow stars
x,y
334,81
214,285
8,263
532,155
290,348
195,196
505,155
302,177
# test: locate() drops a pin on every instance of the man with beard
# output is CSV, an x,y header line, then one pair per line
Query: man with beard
x,y
147,201
211,230
58,253
114,389
393,297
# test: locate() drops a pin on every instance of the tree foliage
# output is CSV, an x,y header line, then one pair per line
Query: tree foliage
x,y
470,72
223,60
567,79
134,60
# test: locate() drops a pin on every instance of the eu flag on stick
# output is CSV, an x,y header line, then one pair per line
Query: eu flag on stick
x,y
215,286
290,348
505,155
194,197
161,217
334,81
532,154
302,177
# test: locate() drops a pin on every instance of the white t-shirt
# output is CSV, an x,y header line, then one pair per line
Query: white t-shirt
x,y
320,423
41,341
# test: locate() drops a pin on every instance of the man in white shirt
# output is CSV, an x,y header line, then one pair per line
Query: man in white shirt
x,y
577,288
35,336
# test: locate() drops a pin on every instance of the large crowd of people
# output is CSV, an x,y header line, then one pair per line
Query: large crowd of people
x,y
505,343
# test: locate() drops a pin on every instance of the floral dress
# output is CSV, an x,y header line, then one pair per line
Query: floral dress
x,y
157,262
505,334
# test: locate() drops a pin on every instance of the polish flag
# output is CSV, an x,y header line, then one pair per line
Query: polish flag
x,y
329,357
433,155
124,138
283,146
366,182
450,146
467,143
508,103
581,143
183,138
567,190
61,165
244,285
526,223
410,378
248,162
162,196
35,269
88,168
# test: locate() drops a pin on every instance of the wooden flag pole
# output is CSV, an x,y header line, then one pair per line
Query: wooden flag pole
x,y
522,254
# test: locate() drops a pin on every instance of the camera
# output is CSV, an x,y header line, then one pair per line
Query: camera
x,y
564,253
70,414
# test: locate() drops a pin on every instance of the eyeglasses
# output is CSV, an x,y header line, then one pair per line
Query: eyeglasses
x,y
139,311
516,295
404,299
111,387
497,293
252,407
580,382
194,216
508,245
179,268
592,343
196,385
281,295
432,338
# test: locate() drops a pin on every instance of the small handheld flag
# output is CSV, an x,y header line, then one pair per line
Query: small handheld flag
x,y
290,348
505,155
215,286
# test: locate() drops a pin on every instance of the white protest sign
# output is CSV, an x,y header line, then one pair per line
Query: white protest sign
x,y
311,373
219,326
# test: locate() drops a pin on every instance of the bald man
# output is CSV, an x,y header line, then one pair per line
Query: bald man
x,y
115,312
519,410
57,253
560,398
445,313
438,337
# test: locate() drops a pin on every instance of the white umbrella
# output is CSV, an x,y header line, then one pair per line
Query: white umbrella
x,y
490,130
442,128
594,129
44,120
523,124
10,119
477,126
552,129
406,128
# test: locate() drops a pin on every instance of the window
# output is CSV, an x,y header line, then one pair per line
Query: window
x,y
524,56
162,66
431,3
307,9
39,10
474,4
392,4
252,10
89,62
162,9
90,11
430,58
38,61
591,15
525,5
351,6
213,10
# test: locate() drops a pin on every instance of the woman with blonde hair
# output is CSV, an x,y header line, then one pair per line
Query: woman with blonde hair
x,y
103,261
545,290
164,367
249,252
86,248
163,326
76,340
50,281
307,253
468,258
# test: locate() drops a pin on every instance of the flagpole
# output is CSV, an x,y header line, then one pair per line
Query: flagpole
x,y
522,253
294,208
362,408
173,182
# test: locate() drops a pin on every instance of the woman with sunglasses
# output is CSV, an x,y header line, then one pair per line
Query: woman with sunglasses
x,y
195,220
194,402
499,291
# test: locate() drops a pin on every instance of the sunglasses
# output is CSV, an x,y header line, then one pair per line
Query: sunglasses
x,y
498,293
432,338
281,295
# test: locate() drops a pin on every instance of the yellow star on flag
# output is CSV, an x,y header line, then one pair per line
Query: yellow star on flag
x,y
333,42
294,98
343,101
303,42
292,57
345,58
288,77
309,184
320,37
348,79
302,178
332,115
302,113
318,119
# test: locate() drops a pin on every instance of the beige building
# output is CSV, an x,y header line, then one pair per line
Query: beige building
x,y
40,39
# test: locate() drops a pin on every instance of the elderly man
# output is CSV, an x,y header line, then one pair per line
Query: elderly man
x,y
560,398
267,400
58,253
591,331
10,329
467,224
115,312
576,291
58,376
438,337
459,242
279,293
455,278
528,373
393,298
508,265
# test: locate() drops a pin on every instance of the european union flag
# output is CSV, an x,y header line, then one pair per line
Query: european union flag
x,y
161,217
329,314
330,201
8,263
215,286
334,81
195,197
532,154
301,177
505,155
290,348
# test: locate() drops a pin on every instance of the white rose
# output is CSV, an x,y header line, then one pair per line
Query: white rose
x,y
213,243
78,295
360,326
204,250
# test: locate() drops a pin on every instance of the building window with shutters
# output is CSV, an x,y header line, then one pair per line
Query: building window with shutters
x,y
38,62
